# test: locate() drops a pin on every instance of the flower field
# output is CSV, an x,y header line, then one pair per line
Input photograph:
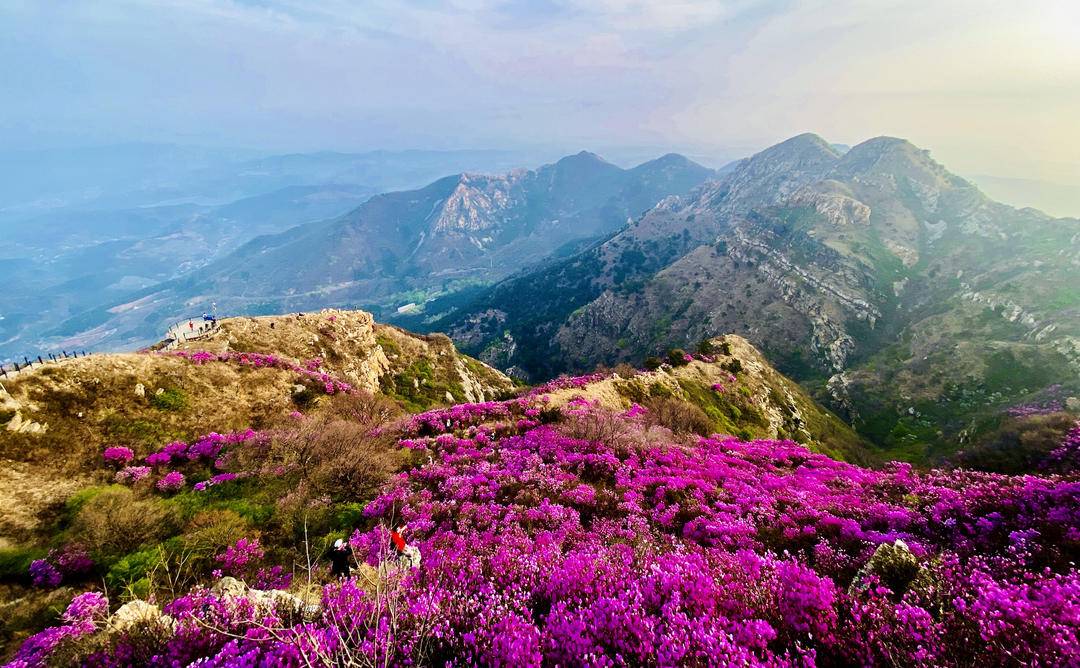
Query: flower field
x,y
587,537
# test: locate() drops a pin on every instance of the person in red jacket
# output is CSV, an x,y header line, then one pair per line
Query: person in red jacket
x,y
408,556
397,539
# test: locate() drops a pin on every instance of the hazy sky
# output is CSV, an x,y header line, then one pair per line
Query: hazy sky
x,y
990,87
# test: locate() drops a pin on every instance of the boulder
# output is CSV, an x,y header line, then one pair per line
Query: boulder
x,y
894,565
229,586
138,613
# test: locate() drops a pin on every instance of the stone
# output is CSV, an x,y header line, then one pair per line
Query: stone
x,y
229,586
138,613
140,390
894,565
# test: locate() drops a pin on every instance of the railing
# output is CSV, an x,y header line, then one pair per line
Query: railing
x,y
8,370
187,330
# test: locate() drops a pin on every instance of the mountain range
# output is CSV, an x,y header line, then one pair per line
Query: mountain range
x,y
895,290
403,247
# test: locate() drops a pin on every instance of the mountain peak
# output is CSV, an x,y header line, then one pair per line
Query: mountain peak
x,y
803,143
582,158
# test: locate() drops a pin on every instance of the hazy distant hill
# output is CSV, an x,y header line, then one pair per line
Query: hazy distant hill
x,y
396,248
83,227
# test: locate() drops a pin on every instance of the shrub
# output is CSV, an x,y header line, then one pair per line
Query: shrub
x,y
115,522
171,399
677,357
652,363
337,458
171,481
681,417
733,366
118,455
626,371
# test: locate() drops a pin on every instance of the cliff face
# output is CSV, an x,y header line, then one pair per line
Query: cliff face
x,y
856,273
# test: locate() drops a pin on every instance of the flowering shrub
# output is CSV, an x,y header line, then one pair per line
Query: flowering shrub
x,y
171,481
132,474
309,369
541,548
217,480
44,574
118,455
68,561
565,382
239,559
83,616
1066,457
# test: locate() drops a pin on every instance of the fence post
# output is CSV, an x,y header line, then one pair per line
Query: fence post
x,y
16,365
40,361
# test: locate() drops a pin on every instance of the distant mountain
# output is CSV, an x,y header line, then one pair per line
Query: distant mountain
x,y
402,247
138,175
69,261
897,291
84,226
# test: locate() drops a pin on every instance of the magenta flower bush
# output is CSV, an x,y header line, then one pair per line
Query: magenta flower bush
x,y
309,369
241,557
67,562
83,616
1066,457
132,474
171,481
565,382
118,455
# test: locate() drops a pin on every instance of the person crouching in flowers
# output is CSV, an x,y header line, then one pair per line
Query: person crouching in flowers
x,y
408,556
340,556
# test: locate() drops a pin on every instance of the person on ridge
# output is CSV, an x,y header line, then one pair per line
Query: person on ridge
x,y
408,555
340,558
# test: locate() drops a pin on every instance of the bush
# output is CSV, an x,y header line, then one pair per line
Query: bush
x,y
116,522
677,357
625,370
345,460
733,366
1019,445
679,416
172,399
652,363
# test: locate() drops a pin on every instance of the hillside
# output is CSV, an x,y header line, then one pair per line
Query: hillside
x,y
59,417
542,529
401,248
897,292
755,402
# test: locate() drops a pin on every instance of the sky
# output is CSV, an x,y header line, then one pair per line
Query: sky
x,y
989,87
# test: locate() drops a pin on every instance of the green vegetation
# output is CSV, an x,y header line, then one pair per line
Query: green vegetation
x,y
170,399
